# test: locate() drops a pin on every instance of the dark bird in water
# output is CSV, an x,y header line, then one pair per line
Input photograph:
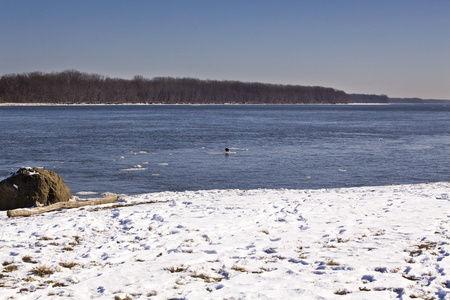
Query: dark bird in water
x,y
227,150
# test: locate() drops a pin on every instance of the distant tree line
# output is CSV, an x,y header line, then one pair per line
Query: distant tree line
x,y
418,101
73,87
368,98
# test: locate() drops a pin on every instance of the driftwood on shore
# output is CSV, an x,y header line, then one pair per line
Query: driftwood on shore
x,y
60,205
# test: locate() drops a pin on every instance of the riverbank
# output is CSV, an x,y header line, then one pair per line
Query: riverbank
x,y
142,104
351,243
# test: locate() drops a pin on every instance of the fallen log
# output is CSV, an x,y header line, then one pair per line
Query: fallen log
x,y
60,205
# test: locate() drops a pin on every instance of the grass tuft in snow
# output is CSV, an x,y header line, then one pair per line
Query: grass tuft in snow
x,y
10,268
206,278
342,240
28,259
77,239
68,265
59,284
6,263
342,292
410,261
42,271
380,232
125,298
176,269
409,277
332,263
240,269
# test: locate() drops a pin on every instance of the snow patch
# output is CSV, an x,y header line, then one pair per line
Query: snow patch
x,y
383,242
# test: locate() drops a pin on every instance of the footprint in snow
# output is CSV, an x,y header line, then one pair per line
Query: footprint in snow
x,y
158,218
303,227
369,278
116,213
298,261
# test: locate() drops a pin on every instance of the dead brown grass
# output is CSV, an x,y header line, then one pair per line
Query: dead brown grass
x,y
11,268
28,259
68,265
332,263
176,269
342,292
42,271
206,278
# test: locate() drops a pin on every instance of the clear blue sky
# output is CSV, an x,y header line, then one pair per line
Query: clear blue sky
x,y
396,47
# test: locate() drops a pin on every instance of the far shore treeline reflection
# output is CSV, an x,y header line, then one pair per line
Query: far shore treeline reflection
x,y
73,87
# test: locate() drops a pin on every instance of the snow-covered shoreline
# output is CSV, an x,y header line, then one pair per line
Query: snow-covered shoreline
x,y
382,242
164,104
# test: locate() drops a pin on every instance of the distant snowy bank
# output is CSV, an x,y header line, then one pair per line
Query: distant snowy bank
x,y
382,242
165,104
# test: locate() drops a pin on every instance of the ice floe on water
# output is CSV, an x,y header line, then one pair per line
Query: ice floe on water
x,y
134,169
86,193
387,242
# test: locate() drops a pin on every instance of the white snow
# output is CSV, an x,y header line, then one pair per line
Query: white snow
x,y
28,172
383,242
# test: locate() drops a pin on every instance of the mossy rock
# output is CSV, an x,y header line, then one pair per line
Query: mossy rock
x,y
29,187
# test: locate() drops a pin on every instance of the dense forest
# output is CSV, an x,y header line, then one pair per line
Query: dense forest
x,y
73,87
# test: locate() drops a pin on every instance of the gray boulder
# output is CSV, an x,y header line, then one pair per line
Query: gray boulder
x,y
29,187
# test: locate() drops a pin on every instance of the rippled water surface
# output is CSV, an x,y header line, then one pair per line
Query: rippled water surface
x,y
139,149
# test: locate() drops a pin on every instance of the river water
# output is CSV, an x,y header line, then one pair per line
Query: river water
x,y
140,149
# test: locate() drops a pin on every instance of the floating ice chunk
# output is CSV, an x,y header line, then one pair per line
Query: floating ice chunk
x,y
83,193
342,170
134,169
143,152
163,164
